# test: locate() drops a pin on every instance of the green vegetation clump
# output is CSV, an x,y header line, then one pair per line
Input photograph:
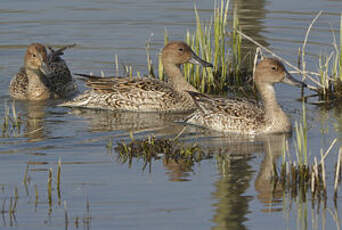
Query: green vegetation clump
x,y
153,148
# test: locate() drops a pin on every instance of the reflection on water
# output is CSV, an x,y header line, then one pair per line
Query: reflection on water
x,y
103,120
251,15
236,173
232,205
34,121
268,193
177,170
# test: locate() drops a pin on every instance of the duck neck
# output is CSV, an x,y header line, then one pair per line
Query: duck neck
x,y
273,111
37,85
176,78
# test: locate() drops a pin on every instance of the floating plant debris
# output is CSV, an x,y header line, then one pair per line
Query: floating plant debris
x,y
153,148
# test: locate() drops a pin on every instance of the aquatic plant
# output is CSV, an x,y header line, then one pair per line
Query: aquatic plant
x,y
302,139
152,148
305,176
11,124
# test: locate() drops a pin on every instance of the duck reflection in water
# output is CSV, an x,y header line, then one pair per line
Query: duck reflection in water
x,y
235,157
106,120
235,175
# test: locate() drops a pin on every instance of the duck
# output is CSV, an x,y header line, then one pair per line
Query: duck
x,y
242,116
144,94
60,77
44,75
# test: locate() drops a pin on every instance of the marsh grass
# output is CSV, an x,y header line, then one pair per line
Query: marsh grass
x,y
152,148
303,176
300,179
54,183
330,72
11,122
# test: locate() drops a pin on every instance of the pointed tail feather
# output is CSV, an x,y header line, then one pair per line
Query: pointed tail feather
x,y
85,77
57,53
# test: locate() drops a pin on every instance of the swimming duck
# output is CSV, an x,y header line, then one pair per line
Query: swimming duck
x,y
44,75
241,116
144,94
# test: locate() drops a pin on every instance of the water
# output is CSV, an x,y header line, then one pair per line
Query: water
x,y
102,193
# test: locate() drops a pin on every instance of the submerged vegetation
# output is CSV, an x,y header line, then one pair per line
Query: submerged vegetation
x,y
303,175
153,148
11,122
53,188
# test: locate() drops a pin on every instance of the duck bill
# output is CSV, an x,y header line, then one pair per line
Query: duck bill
x,y
44,68
198,61
288,79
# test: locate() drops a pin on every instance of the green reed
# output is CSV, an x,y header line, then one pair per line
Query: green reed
x,y
340,61
11,124
236,48
303,176
50,187
329,84
302,139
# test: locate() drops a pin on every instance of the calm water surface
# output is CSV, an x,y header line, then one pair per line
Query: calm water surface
x,y
101,193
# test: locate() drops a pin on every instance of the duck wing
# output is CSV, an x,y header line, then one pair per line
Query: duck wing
x,y
113,84
226,114
137,94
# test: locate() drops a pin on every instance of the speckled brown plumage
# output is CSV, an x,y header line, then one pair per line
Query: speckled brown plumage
x,y
236,115
227,114
143,94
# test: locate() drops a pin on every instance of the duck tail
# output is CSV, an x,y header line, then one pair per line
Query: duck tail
x,y
88,77
55,54
79,101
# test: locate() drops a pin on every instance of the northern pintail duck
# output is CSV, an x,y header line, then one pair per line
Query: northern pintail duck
x,y
144,94
242,116
44,75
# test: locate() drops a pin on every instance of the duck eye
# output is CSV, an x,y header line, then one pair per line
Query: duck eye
x,y
274,68
181,49
33,55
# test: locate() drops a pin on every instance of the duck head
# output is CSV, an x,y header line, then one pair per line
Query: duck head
x,y
36,59
178,53
271,71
